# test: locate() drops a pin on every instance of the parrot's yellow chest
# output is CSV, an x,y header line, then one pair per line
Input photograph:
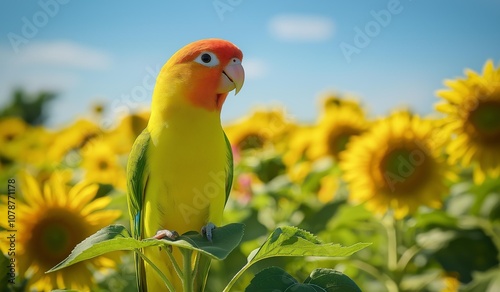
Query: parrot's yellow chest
x,y
186,185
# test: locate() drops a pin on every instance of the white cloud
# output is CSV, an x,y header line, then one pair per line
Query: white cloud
x,y
255,68
61,53
52,66
37,81
301,28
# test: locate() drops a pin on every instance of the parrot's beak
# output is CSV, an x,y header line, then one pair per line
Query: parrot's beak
x,y
232,77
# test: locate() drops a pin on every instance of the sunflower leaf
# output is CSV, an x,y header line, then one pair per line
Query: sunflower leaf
x,y
289,241
117,237
271,279
292,241
332,281
320,280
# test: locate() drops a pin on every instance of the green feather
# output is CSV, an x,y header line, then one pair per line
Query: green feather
x,y
229,169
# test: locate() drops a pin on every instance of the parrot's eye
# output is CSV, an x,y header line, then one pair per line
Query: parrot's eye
x,y
208,59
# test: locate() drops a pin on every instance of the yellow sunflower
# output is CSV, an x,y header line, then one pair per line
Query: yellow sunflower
x,y
396,165
102,164
31,148
262,128
50,222
11,130
71,138
329,185
123,136
334,131
297,163
332,101
450,283
472,108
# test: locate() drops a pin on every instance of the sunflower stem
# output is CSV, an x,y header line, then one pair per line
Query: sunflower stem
x,y
407,256
374,272
157,270
175,264
236,277
187,279
392,243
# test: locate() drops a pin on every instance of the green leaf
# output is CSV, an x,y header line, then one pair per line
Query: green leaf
x,y
484,281
468,252
117,237
108,239
482,192
291,241
350,216
268,168
332,281
271,279
224,240
320,280
436,218
316,220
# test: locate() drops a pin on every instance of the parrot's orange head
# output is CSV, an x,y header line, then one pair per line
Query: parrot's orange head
x,y
206,71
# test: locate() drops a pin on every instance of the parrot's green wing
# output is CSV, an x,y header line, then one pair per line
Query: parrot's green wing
x,y
137,177
229,167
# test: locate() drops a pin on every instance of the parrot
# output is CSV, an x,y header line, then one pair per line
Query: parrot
x,y
180,168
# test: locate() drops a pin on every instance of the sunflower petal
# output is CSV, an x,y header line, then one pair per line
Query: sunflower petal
x,y
97,204
479,175
489,70
31,189
83,194
58,185
103,218
450,96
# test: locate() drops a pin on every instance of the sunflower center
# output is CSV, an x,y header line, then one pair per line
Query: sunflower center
x,y
103,165
4,161
9,137
251,141
404,169
485,122
55,235
337,140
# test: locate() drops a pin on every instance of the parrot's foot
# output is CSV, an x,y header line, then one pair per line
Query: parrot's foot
x,y
172,235
207,230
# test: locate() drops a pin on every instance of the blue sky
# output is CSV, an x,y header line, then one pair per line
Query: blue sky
x,y
399,52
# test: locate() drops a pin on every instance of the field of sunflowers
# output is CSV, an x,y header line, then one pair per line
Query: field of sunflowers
x,y
424,191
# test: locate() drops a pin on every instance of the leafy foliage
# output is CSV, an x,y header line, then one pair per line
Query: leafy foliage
x,y
117,237
277,184
320,280
291,241
31,108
